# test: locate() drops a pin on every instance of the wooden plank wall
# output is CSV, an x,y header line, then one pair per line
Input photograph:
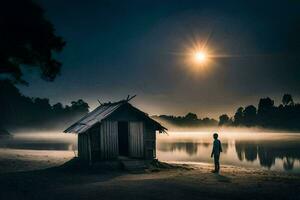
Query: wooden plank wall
x,y
150,142
136,139
109,140
95,144
83,147
142,142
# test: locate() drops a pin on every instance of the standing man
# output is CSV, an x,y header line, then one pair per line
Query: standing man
x,y
217,149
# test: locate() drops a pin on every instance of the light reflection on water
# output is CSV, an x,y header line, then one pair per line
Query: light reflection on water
x,y
275,151
43,141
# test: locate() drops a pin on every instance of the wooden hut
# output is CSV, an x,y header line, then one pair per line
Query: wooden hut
x,y
116,129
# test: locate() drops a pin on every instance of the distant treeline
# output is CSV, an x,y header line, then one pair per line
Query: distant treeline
x,y
267,115
18,111
189,120
285,116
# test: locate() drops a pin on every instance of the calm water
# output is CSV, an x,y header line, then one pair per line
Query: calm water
x,y
43,141
274,151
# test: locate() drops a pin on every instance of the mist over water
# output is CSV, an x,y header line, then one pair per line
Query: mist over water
x,y
241,147
268,150
41,141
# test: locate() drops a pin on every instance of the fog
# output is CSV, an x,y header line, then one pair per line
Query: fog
x,y
41,141
250,147
241,147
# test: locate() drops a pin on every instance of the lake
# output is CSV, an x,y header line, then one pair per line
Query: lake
x,y
273,151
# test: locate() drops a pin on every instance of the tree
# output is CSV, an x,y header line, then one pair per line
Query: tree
x,y
266,112
58,108
238,116
191,117
249,114
224,120
287,99
19,111
79,106
27,39
265,105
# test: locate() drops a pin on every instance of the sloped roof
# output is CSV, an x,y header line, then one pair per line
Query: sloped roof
x,y
102,112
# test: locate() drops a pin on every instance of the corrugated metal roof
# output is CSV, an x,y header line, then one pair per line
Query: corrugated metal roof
x,y
105,110
97,115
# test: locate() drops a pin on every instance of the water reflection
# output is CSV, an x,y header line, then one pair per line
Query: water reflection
x,y
191,148
279,152
39,146
40,142
268,151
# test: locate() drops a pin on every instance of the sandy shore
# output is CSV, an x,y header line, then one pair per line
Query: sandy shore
x,y
34,175
14,160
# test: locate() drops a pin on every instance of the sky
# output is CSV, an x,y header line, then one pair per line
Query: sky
x,y
116,48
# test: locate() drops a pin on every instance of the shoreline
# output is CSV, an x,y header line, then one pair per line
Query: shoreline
x,y
44,159
42,177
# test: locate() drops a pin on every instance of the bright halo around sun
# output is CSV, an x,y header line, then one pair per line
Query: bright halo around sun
x,y
200,56
197,56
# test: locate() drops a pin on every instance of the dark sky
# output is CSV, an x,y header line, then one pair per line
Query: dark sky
x,y
115,48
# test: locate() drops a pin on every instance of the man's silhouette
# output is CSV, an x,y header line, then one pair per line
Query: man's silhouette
x,y
217,149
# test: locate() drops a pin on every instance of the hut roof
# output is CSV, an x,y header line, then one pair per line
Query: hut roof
x,y
104,111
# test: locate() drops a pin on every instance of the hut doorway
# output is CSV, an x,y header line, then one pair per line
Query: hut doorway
x,y
123,138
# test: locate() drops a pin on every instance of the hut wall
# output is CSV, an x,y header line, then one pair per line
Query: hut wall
x,y
94,134
84,146
150,142
136,139
109,140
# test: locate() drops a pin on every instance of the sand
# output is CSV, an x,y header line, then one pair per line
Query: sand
x,y
29,174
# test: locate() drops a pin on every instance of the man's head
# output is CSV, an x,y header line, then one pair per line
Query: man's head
x,y
215,135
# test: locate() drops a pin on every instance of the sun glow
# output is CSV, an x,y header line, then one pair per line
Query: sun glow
x,y
200,56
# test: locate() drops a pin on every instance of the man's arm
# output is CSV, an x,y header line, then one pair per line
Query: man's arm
x,y
221,150
213,150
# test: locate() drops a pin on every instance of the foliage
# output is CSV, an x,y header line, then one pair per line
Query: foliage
x,y
287,99
19,111
224,120
189,119
284,116
27,40
238,117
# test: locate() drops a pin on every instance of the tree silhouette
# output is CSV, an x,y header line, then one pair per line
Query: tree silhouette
x,y
265,111
249,115
79,106
58,108
287,99
27,39
238,116
19,111
224,120
265,105
285,116
191,117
